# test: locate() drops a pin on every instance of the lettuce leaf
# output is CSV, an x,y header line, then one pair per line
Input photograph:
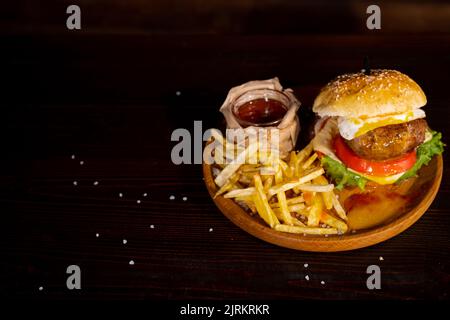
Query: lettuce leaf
x,y
341,175
425,152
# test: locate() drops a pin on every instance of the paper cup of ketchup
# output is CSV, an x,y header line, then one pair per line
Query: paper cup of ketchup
x,y
264,105
260,108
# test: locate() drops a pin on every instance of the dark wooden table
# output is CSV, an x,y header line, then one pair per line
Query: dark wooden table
x,y
112,102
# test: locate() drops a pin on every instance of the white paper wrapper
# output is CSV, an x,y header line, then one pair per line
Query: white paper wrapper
x,y
289,127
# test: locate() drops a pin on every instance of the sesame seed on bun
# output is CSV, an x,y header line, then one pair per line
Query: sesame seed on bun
x,y
358,95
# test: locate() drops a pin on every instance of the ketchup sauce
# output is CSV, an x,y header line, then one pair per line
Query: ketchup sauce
x,y
261,112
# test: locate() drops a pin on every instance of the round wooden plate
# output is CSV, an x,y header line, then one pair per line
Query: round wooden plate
x,y
425,186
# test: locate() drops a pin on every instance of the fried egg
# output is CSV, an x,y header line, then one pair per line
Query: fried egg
x,y
350,128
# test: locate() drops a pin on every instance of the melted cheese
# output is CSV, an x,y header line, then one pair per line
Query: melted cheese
x,y
380,180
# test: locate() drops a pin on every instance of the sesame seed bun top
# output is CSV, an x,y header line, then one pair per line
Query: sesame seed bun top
x,y
366,95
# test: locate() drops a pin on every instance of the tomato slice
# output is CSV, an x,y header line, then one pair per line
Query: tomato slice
x,y
370,167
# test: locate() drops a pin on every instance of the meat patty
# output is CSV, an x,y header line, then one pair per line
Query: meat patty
x,y
389,141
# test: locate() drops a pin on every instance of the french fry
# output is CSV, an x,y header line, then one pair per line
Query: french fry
x,y
225,174
249,168
327,199
286,169
267,171
298,170
302,180
279,215
305,230
268,158
217,135
262,205
316,187
219,157
224,152
244,199
297,222
337,206
290,201
240,193
308,196
228,171
298,207
245,180
294,220
251,206
281,196
284,208
333,222
251,185
315,211
228,186
326,218
248,175
309,161
296,173
296,200
265,157
326,196
268,183
293,161
303,154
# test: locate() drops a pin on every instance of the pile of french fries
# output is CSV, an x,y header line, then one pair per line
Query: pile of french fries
x,y
290,195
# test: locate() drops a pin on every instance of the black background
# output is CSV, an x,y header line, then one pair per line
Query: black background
x,y
108,94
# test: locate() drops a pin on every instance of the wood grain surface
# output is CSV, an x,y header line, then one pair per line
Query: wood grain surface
x,y
111,100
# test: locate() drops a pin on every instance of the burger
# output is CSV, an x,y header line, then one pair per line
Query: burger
x,y
372,127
